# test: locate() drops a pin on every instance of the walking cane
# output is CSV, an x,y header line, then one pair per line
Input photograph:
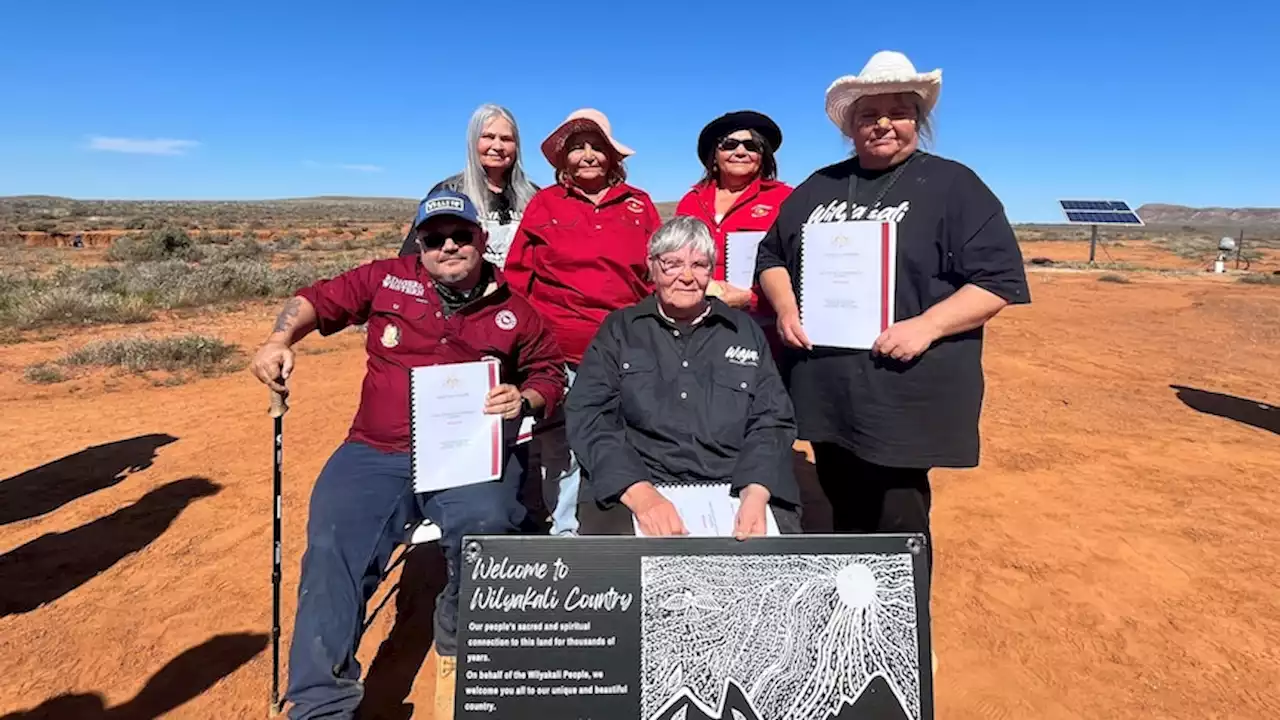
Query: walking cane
x,y
278,408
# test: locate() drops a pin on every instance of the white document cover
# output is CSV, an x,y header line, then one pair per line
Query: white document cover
x,y
847,281
740,258
708,510
454,442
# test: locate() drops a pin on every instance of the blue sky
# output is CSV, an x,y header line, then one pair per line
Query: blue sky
x,y
1146,101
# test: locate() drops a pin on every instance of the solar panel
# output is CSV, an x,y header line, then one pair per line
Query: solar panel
x,y
1099,212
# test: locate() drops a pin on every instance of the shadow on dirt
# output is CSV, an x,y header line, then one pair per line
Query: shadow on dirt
x,y
186,676
402,654
54,564
52,485
1250,412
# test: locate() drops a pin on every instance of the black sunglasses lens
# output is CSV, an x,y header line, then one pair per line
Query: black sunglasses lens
x,y
731,144
436,240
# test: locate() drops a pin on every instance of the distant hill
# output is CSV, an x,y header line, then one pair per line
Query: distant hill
x,y
43,213
1159,214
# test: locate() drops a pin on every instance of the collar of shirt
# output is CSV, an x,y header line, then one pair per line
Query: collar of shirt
x,y
614,194
496,292
716,310
706,194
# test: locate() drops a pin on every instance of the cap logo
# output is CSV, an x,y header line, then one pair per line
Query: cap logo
x,y
505,320
447,203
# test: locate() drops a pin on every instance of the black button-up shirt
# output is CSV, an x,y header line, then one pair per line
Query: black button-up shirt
x,y
678,403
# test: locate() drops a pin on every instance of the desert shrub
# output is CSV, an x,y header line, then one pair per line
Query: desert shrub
x,y
139,354
70,306
129,293
1113,278
1260,279
208,238
239,249
169,243
386,238
287,242
43,374
14,285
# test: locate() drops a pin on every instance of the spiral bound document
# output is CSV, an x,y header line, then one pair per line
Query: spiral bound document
x,y
454,442
740,250
708,510
848,274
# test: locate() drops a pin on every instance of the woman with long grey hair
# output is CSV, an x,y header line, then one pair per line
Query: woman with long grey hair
x,y
493,178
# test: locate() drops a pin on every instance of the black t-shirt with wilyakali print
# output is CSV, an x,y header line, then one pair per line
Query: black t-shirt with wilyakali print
x,y
952,231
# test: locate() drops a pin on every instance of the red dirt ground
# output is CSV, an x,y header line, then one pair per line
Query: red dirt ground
x,y
1115,556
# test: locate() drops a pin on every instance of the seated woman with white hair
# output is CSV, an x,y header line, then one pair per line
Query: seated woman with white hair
x,y
681,389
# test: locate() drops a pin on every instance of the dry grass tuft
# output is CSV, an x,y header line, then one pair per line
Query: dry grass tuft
x,y
207,355
1260,279
43,374
67,306
1113,278
131,292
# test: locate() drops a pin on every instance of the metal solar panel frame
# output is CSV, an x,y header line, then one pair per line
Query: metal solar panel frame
x,y
1131,211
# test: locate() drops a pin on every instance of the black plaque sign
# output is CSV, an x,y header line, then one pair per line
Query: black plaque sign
x,y
798,627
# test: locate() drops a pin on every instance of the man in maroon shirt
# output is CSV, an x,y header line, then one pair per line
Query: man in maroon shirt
x,y
444,305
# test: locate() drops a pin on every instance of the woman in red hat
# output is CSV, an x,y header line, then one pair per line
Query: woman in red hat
x,y
580,253
738,193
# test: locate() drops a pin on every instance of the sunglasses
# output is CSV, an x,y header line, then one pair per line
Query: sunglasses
x,y
436,240
731,144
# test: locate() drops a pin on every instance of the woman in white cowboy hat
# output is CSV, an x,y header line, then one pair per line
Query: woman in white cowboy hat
x,y
880,419
579,253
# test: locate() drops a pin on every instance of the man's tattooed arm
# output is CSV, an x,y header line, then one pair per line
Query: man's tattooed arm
x,y
287,316
294,321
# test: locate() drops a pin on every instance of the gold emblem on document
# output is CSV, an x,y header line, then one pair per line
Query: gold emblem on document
x,y
840,241
390,335
452,382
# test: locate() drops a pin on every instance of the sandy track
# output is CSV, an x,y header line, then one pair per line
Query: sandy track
x,y
1115,556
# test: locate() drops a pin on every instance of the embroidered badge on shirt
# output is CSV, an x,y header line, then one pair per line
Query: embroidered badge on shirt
x,y
635,206
759,211
505,319
742,356
390,336
408,287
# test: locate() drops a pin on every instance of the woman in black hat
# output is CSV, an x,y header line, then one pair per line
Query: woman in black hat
x,y
739,192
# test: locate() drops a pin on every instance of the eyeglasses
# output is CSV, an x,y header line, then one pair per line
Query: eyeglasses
x,y
731,144
676,267
436,240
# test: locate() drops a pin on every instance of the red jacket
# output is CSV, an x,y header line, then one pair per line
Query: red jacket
x,y
756,209
407,328
577,262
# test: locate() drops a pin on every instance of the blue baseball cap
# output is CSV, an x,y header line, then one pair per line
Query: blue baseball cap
x,y
446,202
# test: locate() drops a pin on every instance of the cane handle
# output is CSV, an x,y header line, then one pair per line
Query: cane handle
x,y
279,405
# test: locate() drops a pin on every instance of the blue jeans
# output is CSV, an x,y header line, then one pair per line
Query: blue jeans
x,y
359,508
561,473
